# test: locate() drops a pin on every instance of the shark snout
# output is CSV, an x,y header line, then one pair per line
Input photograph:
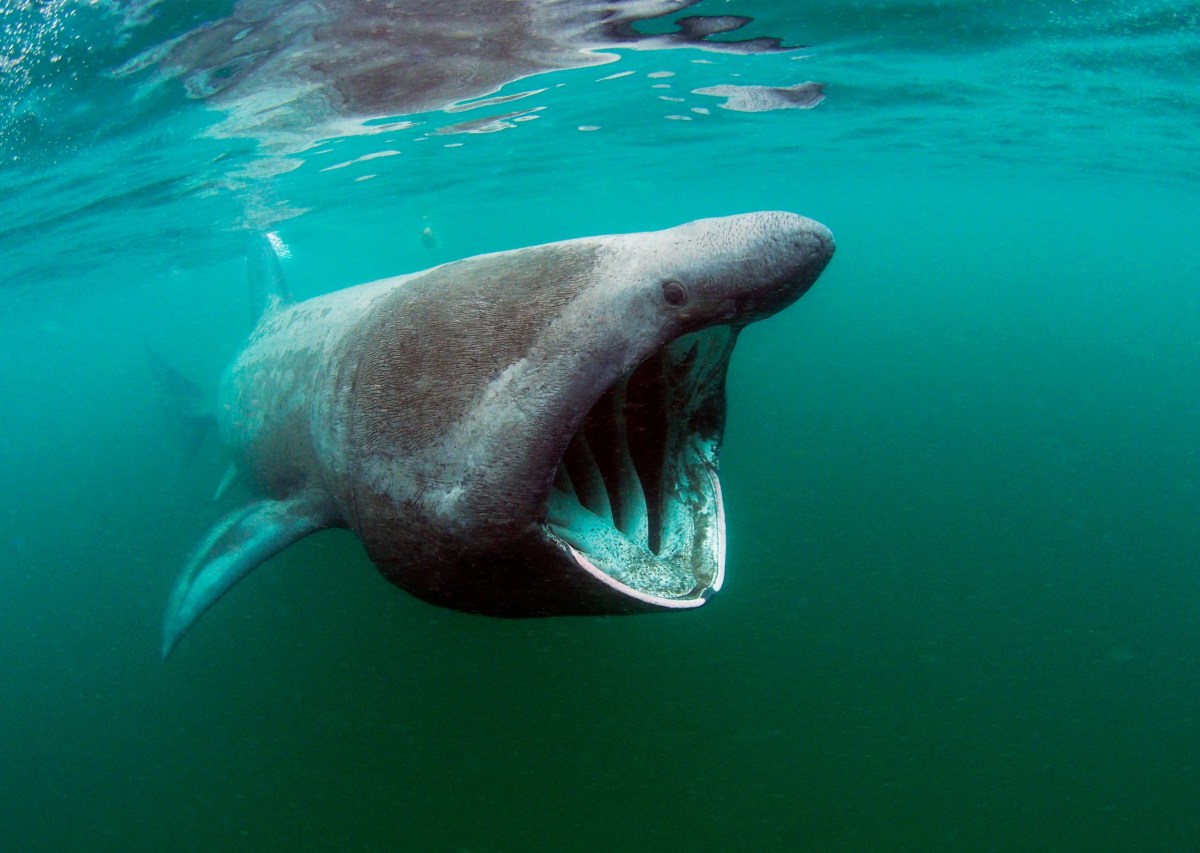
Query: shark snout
x,y
806,247
814,241
785,255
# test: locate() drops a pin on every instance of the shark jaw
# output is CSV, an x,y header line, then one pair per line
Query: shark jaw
x,y
636,501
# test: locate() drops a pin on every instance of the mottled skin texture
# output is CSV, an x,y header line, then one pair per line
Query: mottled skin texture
x,y
428,413
429,410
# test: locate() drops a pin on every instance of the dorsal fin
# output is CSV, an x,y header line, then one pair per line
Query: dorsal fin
x,y
267,287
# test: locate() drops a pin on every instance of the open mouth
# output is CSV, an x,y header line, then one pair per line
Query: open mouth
x,y
636,499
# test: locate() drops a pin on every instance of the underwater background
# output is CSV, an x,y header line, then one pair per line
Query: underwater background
x,y
962,602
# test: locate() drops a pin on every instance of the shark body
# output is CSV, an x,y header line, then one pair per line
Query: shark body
x,y
526,433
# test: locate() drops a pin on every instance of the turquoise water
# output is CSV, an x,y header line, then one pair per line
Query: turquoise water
x,y
962,608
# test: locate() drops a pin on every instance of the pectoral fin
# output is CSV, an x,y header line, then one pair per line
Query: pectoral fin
x,y
230,550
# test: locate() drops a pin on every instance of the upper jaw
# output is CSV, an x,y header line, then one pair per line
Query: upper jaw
x,y
636,500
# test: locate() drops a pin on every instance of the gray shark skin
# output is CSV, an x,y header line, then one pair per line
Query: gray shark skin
x,y
528,433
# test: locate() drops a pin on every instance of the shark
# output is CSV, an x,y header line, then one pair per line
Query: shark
x,y
532,432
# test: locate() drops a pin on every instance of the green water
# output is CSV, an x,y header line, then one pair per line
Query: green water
x,y
962,606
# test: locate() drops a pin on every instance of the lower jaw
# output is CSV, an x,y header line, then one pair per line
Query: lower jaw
x,y
536,576
684,578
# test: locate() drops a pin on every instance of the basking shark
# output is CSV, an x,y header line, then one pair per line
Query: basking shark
x,y
527,433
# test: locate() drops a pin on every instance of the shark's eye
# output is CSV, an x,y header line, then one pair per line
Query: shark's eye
x,y
674,293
